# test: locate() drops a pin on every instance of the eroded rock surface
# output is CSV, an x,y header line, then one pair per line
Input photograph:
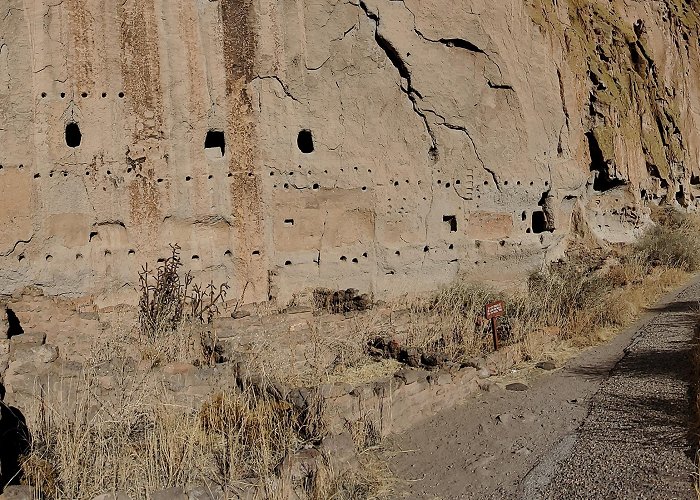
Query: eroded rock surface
x,y
385,146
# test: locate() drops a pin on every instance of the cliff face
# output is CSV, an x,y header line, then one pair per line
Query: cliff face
x,y
384,145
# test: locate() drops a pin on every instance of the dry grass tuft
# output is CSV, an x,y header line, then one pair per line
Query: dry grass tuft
x,y
140,441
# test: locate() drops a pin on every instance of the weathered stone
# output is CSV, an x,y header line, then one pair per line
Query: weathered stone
x,y
546,365
440,378
517,386
211,492
169,494
112,496
335,390
240,314
4,325
410,376
386,388
27,340
483,373
340,447
411,356
45,353
299,309
489,385
465,375
452,367
435,359
477,363
178,368
17,492
363,391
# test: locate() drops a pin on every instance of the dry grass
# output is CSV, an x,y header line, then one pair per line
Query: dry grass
x,y
139,441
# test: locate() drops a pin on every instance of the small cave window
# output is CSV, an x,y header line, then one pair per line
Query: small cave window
x,y
73,135
305,141
13,323
452,221
602,181
539,222
215,144
694,180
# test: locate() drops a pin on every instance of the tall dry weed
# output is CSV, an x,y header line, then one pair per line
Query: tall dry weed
x,y
85,443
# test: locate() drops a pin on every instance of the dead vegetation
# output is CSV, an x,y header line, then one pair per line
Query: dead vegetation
x,y
172,310
141,441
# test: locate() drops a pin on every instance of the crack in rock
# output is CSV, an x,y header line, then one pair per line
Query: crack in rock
x,y
413,94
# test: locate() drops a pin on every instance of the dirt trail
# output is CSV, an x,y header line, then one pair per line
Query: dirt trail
x,y
611,424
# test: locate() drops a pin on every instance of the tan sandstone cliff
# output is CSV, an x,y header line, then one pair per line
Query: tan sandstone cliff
x,y
384,145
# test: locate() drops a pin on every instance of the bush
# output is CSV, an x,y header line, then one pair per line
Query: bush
x,y
170,308
676,246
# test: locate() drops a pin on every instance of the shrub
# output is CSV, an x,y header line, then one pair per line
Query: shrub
x,y
170,308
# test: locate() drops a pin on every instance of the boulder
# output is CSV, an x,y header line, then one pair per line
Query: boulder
x,y
517,387
17,492
169,494
411,376
546,365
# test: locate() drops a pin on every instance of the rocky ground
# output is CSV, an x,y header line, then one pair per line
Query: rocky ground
x,y
613,423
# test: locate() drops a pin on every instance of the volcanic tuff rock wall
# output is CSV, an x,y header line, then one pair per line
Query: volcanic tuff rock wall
x,y
288,144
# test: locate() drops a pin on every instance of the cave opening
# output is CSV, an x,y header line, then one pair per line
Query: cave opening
x,y
452,221
602,181
305,141
539,222
13,324
73,135
215,143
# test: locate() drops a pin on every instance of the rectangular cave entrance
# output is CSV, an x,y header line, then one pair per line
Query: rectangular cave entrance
x,y
539,222
451,220
215,144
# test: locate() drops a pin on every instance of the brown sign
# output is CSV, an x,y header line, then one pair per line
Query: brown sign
x,y
495,309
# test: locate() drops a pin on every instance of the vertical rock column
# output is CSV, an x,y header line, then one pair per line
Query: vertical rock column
x,y
239,46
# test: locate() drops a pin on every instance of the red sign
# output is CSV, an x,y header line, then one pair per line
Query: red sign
x,y
495,309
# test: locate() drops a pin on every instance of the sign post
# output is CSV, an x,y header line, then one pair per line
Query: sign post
x,y
494,311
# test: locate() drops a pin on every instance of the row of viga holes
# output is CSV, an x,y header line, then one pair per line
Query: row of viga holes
x,y
84,95
159,180
131,253
365,256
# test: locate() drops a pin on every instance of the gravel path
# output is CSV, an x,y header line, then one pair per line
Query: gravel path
x,y
612,424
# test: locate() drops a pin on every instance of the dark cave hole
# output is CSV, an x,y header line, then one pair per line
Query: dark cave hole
x,y
16,443
602,181
305,141
73,135
452,221
14,326
680,197
539,222
694,180
216,140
